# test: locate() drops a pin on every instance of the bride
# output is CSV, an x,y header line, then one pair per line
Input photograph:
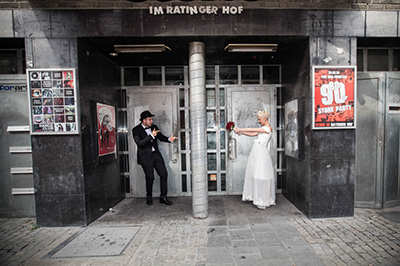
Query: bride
x,y
259,182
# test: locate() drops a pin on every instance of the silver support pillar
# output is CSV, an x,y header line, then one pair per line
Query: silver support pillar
x,y
197,81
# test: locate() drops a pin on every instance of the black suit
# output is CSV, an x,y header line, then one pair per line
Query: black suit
x,y
149,157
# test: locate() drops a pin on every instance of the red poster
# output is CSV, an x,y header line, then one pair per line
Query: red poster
x,y
106,129
334,90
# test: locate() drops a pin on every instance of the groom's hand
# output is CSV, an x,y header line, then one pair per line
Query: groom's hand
x,y
172,138
155,132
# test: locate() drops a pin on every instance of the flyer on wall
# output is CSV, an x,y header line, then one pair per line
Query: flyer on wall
x,y
334,94
106,135
52,101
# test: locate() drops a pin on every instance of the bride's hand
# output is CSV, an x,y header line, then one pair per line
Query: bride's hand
x,y
236,130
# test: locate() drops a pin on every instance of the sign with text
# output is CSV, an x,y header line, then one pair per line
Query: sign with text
x,y
334,92
52,101
195,10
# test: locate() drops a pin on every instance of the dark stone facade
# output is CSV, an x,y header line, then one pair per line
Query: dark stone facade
x,y
73,187
99,80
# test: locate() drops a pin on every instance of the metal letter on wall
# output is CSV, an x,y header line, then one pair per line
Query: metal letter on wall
x,y
52,101
334,94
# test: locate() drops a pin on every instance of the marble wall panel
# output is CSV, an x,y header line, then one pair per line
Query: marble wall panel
x,y
56,179
104,23
332,172
317,23
69,23
32,23
349,23
96,203
334,51
331,201
99,82
59,149
51,53
131,22
333,143
60,210
6,23
381,24
297,193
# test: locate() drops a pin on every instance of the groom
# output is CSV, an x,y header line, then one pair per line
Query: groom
x,y
149,157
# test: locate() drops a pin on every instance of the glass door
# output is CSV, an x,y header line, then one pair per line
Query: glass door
x,y
216,140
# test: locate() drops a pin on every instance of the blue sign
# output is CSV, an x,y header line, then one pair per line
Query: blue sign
x,y
12,87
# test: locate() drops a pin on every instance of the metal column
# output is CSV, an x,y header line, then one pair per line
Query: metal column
x,y
197,81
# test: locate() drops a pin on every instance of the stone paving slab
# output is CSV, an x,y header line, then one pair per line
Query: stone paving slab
x,y
235,233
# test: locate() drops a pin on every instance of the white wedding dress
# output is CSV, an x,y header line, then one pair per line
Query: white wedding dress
x,y
259,181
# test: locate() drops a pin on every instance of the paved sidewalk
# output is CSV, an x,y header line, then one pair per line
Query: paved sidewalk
x,y
368,238
236,233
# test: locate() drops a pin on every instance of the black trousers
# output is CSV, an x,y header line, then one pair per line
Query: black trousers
x,y
156,162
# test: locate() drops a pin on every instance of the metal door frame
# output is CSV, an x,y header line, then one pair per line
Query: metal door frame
x,y
387,147
379,200
276,151
174,148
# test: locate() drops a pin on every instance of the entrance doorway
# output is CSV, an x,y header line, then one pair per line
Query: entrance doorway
x,y
163,103
233,93
243,104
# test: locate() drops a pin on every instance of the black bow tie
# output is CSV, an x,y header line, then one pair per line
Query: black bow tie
x,y
146,128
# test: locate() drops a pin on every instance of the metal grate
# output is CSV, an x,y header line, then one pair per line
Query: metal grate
x,y
96,242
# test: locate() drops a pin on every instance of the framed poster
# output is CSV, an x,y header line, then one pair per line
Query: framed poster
x,y
292,129
334,97
106,133
52,101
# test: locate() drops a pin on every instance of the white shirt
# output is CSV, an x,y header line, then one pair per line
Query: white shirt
x,y
148,131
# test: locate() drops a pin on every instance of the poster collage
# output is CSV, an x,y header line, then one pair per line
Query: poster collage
x,y
52,98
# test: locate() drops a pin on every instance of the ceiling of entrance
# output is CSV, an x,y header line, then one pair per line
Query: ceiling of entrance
x,y
214,46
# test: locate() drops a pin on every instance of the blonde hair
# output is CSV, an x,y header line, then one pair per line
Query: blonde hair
x,y
263,113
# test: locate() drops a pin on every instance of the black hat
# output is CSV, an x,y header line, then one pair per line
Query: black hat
x,y
145,114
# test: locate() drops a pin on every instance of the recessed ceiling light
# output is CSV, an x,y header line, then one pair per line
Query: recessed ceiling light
x,y
251,47
141,48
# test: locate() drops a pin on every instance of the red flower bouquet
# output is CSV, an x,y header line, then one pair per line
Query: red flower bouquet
x,y
230,126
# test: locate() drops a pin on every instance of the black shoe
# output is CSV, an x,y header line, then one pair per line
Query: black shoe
x,y
166,201
149,201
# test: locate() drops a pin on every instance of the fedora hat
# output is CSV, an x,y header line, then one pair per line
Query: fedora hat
x,y
145,114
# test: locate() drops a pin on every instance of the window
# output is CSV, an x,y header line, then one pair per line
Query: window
x,y
12,61
378,59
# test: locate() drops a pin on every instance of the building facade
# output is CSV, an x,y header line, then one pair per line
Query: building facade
x,y
130,56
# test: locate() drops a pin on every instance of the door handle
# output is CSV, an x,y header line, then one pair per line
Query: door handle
x,y
172,154
232,148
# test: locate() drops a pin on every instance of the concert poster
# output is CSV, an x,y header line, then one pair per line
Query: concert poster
x,y
334,97
106,133
52,101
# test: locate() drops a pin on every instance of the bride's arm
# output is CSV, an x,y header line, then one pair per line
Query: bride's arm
x,y
249,131
250,134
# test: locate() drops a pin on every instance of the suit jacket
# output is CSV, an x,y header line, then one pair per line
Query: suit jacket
x,y
145,143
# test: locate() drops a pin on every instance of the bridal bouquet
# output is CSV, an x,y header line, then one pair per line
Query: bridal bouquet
x,y
230,126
